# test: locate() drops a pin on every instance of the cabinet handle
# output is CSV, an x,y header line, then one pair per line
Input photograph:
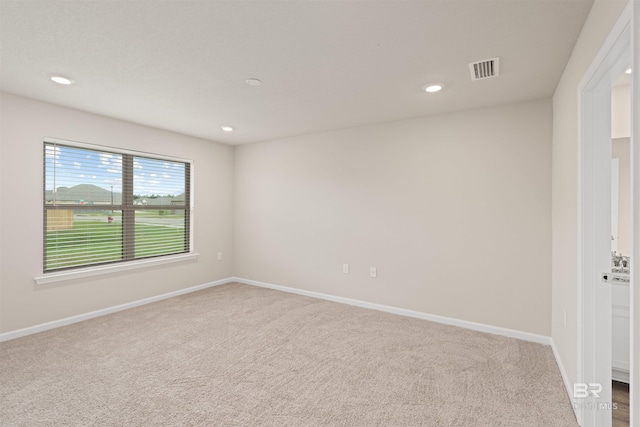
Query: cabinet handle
x,y
615,278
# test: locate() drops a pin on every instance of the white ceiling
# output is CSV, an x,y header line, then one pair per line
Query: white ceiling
x,y
181,65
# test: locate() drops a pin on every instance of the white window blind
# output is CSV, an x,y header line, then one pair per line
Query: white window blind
x,y
103,206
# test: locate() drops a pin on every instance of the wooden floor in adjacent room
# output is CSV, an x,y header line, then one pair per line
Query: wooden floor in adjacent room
x,y
620,396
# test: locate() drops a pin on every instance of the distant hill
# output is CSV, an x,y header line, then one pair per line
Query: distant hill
x,y
87,193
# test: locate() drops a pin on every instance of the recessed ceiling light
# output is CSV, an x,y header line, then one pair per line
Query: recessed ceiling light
x,y
628,71
226,128
253,82
61,80
433,88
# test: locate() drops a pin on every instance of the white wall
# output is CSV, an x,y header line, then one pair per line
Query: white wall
x,y
621,111
601,19
25,123
621,150
453,210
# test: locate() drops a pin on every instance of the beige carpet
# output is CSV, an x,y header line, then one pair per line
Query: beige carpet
x,y
237,355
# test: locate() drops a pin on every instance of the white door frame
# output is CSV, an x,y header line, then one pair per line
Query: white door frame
x,y
594,218
635,222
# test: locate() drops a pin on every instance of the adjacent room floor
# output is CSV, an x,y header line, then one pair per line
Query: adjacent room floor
x,y
620,397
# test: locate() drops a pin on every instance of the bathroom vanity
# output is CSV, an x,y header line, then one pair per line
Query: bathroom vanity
x,y
620,337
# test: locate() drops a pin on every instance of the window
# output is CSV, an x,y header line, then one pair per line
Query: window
x,y
105,206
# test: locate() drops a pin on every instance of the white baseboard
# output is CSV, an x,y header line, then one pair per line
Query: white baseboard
x,y
496,330
79,318
620,375
511,333
567,384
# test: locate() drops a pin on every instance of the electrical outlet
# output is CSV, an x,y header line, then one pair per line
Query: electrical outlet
x,y
219,256
345,268
373,272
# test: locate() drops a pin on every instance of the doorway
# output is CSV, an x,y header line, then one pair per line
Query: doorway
x,y
596,273
621,238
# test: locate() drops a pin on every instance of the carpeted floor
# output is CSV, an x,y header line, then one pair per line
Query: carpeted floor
x,y
237,355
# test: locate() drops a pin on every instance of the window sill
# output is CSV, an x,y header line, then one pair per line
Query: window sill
x,y
112,268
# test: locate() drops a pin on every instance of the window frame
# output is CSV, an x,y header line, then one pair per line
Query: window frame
x,y
128,261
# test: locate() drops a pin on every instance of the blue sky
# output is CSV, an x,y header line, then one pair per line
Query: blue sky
x,y
70,166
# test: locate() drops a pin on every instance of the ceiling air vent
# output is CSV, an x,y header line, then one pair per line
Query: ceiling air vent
x,y
485,69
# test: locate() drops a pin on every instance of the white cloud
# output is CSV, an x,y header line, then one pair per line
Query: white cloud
x,y
105,158
52,152
108,160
